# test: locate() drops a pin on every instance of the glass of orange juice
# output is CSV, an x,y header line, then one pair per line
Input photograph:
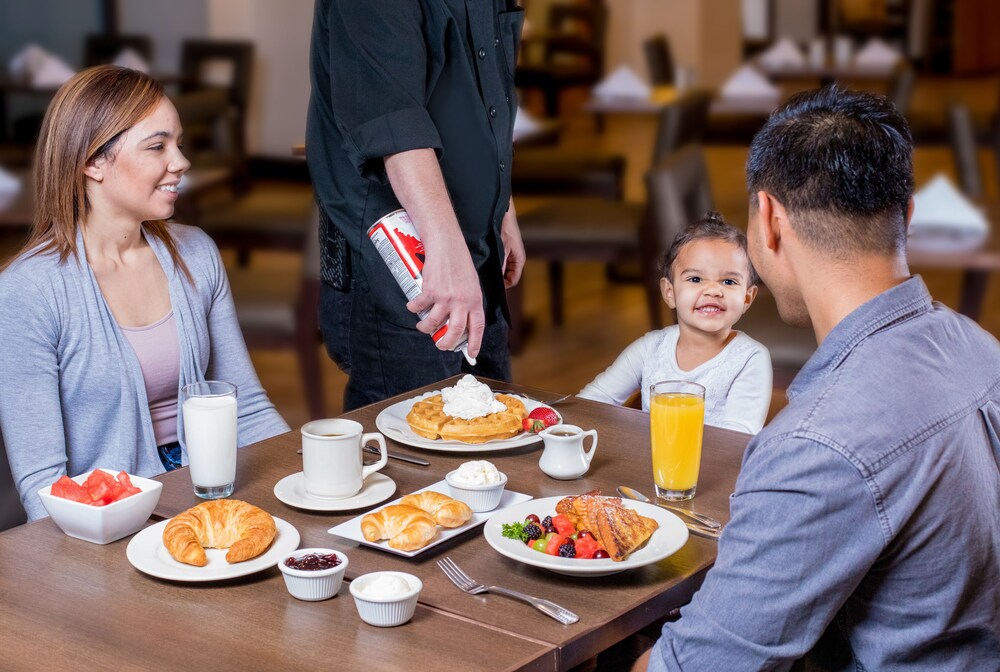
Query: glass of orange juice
x,y
676,421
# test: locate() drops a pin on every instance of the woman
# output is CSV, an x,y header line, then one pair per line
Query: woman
x,y
109,309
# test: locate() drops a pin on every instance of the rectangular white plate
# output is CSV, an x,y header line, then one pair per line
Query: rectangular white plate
x,y
352,528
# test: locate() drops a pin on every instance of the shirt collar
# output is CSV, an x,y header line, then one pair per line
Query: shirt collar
x,y
899,303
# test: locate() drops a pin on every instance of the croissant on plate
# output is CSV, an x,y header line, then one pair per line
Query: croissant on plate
x,y
447,512
246,530
406,527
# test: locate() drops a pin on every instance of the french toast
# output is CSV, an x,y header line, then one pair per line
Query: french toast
x,y
428,419
617,528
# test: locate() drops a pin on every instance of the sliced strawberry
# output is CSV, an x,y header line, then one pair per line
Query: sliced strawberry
x,y
545,415
532,426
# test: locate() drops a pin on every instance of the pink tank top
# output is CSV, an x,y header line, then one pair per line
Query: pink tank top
x,y
158,351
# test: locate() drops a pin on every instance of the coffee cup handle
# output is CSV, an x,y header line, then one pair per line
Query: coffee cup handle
x,y
589,455
384,455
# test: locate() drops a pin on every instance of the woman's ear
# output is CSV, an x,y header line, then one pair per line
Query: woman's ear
x,y
95,169
667,291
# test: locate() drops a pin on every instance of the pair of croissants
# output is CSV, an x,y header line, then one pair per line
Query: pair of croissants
x,y
411,524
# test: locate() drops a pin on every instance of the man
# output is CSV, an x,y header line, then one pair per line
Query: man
x,y
865,528
413,107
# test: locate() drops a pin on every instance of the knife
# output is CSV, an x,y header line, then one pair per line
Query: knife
x,y
399,456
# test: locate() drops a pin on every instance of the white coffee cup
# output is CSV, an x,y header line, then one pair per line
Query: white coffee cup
x,y
331,457
564,457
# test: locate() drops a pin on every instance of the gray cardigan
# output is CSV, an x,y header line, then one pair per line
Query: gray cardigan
x,y
72,396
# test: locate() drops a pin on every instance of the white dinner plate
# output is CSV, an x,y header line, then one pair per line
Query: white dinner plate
x,y
147,553
669,538
292,491
392,422
352,528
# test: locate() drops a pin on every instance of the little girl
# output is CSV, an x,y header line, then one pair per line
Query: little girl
x,y
708,279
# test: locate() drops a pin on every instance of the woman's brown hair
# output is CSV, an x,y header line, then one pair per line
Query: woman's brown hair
x,y
84,122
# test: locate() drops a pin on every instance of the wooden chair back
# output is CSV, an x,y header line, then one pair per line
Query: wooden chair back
x,y
964,150
659,60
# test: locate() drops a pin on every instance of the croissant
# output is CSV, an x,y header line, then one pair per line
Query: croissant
x,y
247,531
446,511
406,527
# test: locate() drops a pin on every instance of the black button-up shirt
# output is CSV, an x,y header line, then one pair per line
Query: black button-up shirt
x,y
394,75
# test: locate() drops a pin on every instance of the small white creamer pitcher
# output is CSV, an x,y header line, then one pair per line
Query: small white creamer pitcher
x,y
564,457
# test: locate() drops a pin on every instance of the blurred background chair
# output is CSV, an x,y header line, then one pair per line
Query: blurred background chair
x,y
572,49
659,60
277,310
225,65
901,84
964,150
243,214
11,511
101,48
680,193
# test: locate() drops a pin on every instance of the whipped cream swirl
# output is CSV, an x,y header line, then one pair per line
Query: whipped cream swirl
x,y
470,399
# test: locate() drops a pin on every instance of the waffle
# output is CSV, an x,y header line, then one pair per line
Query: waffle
x,y
427,419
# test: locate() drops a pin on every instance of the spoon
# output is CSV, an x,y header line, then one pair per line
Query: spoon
x,y
632,493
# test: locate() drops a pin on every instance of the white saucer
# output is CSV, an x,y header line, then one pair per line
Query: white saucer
x,y
292,491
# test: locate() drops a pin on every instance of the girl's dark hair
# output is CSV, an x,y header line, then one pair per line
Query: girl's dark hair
x,y
711,226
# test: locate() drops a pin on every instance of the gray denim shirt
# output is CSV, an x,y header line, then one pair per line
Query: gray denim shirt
x,y
865,530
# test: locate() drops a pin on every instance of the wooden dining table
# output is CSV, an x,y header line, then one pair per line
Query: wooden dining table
x,y
89,605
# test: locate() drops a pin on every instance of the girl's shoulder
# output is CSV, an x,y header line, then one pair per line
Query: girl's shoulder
x,y
745,346
191,240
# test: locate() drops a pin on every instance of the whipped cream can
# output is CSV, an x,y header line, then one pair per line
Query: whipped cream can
x,y
400,247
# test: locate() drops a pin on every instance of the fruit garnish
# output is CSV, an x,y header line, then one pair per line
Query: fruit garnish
x,y
539,419
514,531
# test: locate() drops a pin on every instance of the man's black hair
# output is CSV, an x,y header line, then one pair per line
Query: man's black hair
x,y
841,162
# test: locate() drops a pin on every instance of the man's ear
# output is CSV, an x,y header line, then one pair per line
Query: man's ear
x,y
667,291
909,213
773,219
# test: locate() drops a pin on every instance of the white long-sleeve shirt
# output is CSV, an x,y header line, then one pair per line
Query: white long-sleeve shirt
x,y
737,381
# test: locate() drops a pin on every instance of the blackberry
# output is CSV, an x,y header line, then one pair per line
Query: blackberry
x,y
533,531
546,522
567,550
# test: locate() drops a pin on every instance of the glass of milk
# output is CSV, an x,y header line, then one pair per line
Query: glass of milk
x,y
209,412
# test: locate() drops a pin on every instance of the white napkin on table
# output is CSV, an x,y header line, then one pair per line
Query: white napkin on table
x,y
945,221
783,54
131,59
623,83
10,187
41,69
524,122
748,83
876,53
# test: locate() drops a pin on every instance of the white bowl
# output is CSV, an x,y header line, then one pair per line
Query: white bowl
x,y
388,611
103,524
313,585
480,498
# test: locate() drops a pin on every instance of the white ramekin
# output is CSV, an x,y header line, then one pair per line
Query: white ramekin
x,y
386,612
480,498
313,585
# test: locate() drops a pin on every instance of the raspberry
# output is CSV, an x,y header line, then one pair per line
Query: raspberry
x,y
567,550
533,531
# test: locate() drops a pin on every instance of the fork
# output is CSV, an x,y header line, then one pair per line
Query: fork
x,y
466,583
546,403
